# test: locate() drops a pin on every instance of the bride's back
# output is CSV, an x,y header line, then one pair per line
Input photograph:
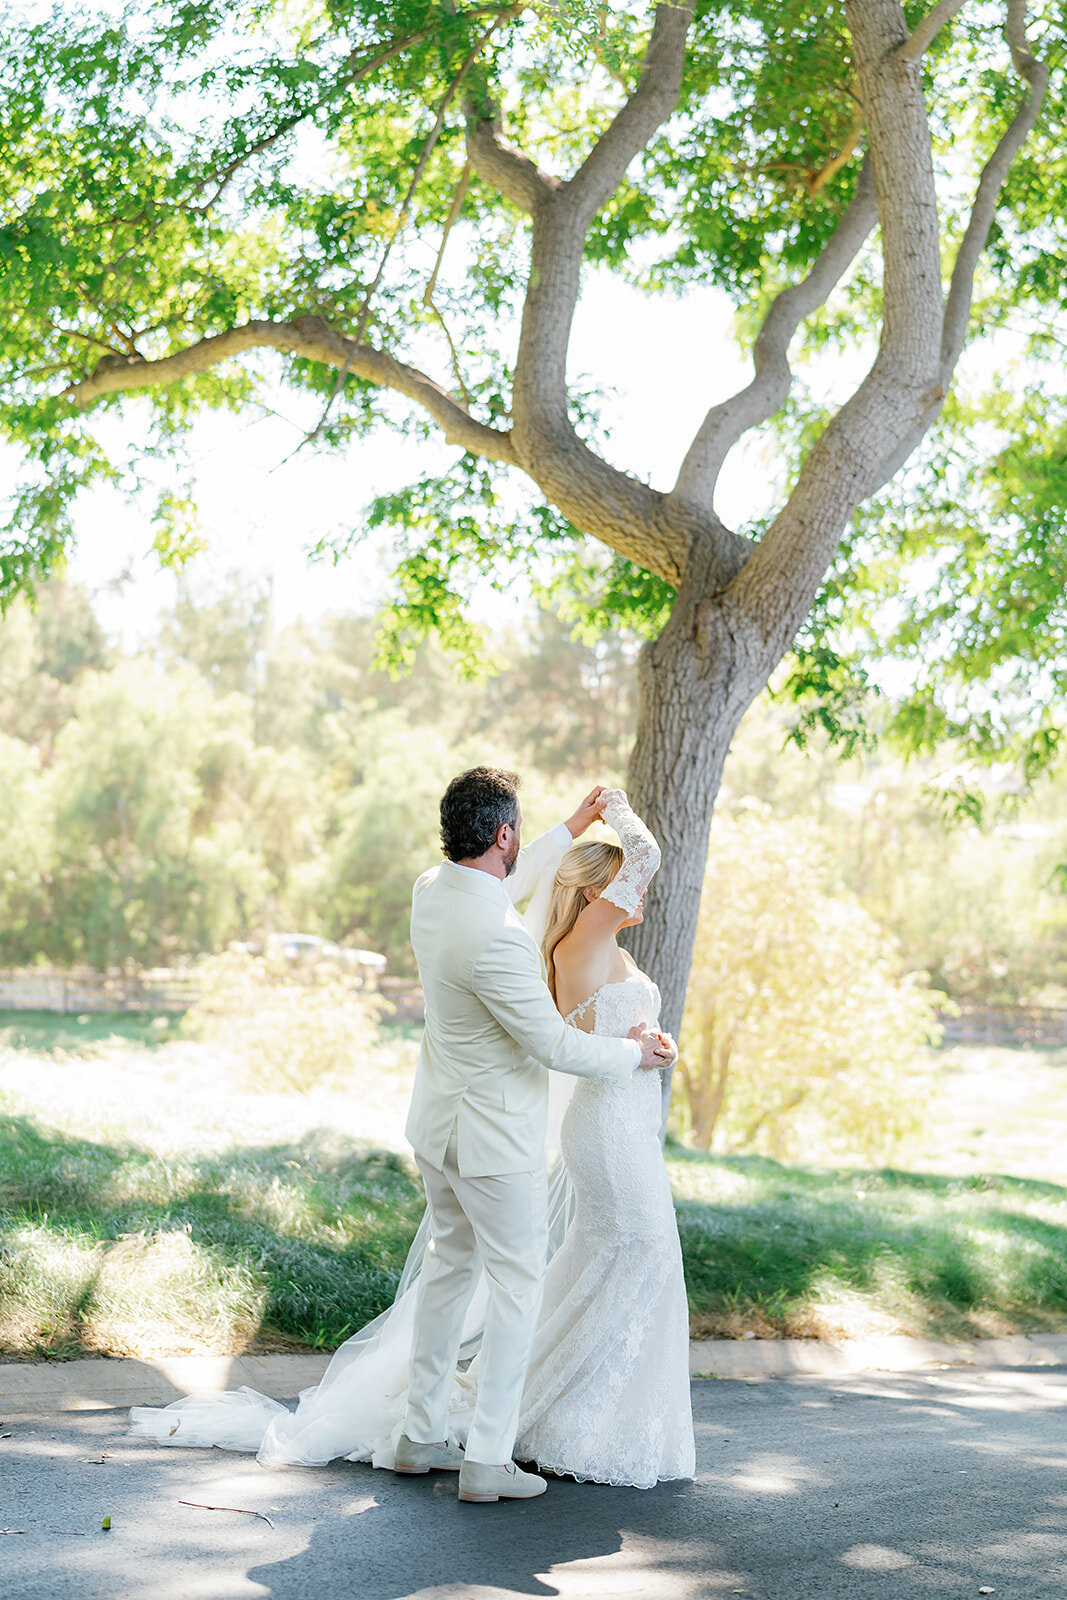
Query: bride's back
x,y
586,960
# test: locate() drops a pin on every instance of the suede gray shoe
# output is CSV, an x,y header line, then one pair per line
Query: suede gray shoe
x,y
485,1484
414,1458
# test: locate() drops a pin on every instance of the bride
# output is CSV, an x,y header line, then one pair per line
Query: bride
x,y
607,1389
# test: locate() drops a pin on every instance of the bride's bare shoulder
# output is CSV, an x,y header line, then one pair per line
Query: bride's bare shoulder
x,y
579,972
581,965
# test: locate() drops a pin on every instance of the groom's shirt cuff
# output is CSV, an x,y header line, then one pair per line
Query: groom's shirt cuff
x,y
562,835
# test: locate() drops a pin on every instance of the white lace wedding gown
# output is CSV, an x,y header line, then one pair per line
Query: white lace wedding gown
x,y
607,1389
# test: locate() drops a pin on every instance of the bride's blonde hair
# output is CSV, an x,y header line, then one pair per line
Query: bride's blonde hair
x,y
591,865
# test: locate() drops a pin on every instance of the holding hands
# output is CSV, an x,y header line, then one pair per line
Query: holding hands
x,y
587,812
657,1049
670,1046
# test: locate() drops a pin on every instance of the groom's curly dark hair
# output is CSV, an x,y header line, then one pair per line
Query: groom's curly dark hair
x,y
473,807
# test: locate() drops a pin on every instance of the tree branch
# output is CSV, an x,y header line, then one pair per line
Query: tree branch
x,y
423,162
994,173
457,371
429,145
1023,58
623,513
314,339
504,168
815,182
922,37
776,587
87,338
644,112
726,423
357,67
544,437
450,222
354,72
877,429
602,55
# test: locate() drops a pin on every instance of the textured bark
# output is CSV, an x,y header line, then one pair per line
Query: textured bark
x,y
599,499
313,338
697,680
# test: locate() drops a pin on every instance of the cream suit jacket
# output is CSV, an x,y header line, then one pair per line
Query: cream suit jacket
x,y
491,1025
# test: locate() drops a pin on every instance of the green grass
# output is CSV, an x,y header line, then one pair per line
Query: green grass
x,y
150,1203
792,1250
87,1034
108,1246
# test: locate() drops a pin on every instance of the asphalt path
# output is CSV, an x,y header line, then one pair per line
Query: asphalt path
x,y
951,1483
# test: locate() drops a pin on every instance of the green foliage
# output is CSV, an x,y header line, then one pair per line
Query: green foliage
x,y
237,781
977,903
175,172
384,820
451,533
178,538
244,780
799,1032
25,847
944,616
161,799
47,645
221,637
596,594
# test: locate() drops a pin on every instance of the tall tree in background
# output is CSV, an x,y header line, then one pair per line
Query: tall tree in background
x,y
375,191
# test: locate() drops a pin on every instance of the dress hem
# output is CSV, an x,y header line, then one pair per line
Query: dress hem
x,y
560,1471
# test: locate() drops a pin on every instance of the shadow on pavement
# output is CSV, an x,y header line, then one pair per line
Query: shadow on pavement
x,y
881,1487
422,1540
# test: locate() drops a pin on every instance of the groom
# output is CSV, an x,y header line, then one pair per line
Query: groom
x,y
477,1121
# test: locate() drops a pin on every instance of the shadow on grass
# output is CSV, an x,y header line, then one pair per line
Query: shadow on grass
x,y
944,1255
305,1239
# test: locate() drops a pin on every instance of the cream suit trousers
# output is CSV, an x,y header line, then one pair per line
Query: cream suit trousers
x,y
499,1223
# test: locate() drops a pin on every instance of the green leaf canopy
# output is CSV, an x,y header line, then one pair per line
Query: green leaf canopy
x,y
179,172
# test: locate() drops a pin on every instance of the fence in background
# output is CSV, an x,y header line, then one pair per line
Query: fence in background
x,y
1006,1026
405,997
83,989
158,989
164,989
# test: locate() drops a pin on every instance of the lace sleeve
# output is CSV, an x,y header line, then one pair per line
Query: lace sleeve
x,y
641,855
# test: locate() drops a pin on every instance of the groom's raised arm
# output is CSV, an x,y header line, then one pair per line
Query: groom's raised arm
x,y
537,863
507,979
536,866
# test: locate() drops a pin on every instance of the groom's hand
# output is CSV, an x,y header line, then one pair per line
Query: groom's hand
x,y
587,812
654,1053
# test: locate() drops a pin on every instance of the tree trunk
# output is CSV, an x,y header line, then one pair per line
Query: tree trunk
x,y
696,680
706,1095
